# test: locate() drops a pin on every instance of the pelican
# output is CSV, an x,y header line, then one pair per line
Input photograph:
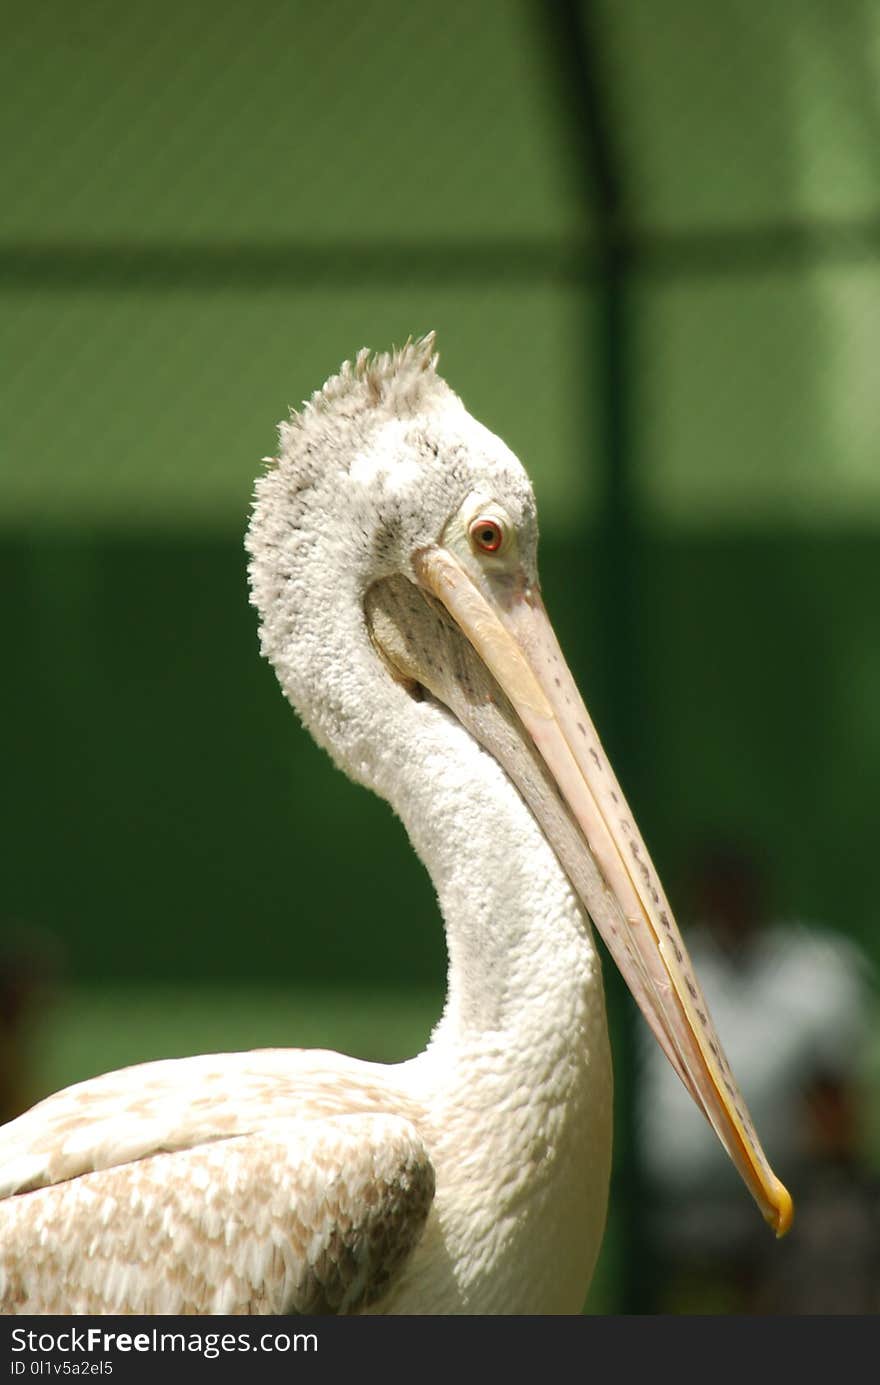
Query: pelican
x,y
393,565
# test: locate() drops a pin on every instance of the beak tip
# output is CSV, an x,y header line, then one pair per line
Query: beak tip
x,y
781,1214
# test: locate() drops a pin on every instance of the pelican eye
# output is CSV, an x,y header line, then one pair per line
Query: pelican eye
x,y
486,534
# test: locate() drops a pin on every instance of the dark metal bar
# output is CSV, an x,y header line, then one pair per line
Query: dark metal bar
x,y
301,264
114,266
779,246
574,35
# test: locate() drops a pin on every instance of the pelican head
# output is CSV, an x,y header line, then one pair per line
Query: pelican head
x,y
393,554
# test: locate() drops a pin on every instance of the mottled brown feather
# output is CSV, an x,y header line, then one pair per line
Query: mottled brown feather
x,y
316,1217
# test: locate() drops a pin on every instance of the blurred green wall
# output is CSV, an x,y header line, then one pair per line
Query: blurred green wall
x,y
172,821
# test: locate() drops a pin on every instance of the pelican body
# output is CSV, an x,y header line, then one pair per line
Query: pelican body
x,y
393,565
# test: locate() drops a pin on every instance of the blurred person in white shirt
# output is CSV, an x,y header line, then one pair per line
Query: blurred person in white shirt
x,y
789,1001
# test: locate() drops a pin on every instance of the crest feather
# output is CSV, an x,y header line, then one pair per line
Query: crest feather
x,y
396,382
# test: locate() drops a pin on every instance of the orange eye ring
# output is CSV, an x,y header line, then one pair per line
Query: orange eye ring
x,y
486,534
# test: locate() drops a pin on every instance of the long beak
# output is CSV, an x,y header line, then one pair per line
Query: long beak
x,y
515,640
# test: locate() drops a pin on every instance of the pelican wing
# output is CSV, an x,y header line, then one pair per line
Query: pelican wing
x,y
316,1217
271,1182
